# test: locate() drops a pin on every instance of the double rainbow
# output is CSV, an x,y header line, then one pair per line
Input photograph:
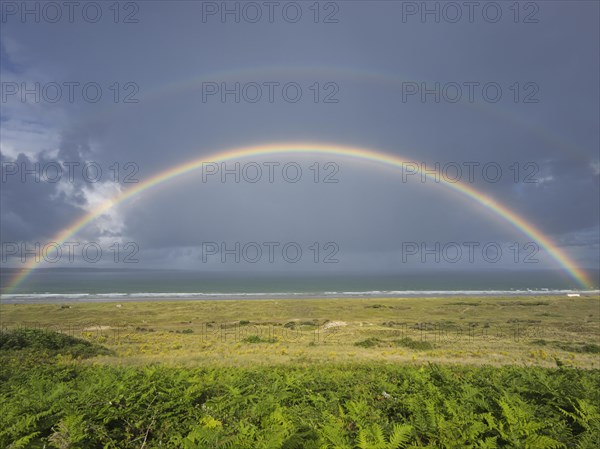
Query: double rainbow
x,y
321,149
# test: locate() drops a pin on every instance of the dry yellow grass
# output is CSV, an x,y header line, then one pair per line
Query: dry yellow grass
x,y
472,330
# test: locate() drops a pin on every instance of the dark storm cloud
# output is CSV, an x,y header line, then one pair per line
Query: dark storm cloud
x,y
368,55
42,195
31,210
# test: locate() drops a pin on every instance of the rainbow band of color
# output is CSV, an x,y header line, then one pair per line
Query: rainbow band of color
x,y
322,149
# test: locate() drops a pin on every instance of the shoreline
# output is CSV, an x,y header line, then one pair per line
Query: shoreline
x,y
53,298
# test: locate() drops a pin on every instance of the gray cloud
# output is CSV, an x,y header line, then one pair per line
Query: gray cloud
x,y
368,55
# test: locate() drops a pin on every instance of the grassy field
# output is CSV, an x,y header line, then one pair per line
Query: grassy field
x,y
543,331
300,374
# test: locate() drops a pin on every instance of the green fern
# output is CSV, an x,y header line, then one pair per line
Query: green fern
x,y
587,416
333,434
520,428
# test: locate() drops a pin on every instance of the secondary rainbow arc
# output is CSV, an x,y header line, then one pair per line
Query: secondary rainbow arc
x,y
508,215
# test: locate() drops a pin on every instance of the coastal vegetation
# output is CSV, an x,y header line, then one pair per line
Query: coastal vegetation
x,y
347,373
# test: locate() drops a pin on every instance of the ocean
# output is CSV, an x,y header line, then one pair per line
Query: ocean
x,y
122,284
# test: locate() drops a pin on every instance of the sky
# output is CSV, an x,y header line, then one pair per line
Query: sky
x,y
143,87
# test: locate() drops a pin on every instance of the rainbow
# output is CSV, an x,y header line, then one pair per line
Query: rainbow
x,y
321,149
361,75
192,86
